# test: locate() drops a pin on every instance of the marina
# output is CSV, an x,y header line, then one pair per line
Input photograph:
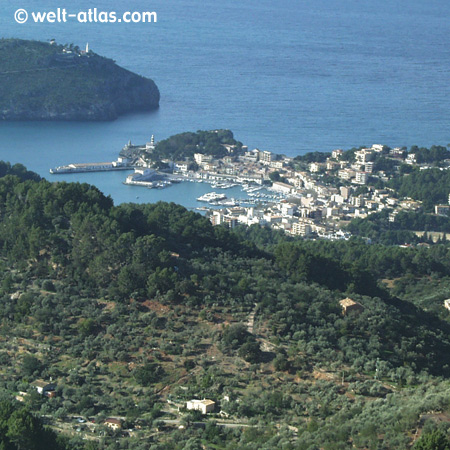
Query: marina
x,y
245,190
240,193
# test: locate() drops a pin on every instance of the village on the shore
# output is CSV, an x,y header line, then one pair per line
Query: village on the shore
x,y
311,199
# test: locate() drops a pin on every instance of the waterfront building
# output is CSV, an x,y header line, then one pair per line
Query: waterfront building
x,y
278,186
265,157
200,158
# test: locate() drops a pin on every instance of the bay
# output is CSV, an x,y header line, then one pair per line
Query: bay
x,y
286,76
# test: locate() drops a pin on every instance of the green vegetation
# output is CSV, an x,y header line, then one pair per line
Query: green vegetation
x,y
20,429
431,186
185,145
311,157
134,309
380,229
41,81
435,154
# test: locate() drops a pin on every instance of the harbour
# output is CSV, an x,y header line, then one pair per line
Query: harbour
x,y
246,189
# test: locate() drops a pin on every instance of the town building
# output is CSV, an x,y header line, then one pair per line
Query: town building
x,y
288,209
200,158
251,156
332,165
346,174
301,228
368,167
377,148
345,192
336,154
266,157
364,155
315,167
361,177
181,166
396,152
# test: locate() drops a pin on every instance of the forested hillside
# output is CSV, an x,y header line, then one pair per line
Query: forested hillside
x,y
134,309
49,81
430,186
185,145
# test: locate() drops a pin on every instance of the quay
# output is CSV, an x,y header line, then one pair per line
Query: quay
x,y
92,167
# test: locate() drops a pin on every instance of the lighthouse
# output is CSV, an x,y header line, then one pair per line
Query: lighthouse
x,y
150,145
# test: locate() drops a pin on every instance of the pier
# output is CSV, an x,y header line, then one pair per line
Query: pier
x,y
120,164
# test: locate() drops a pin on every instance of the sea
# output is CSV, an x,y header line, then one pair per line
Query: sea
x,y
285,76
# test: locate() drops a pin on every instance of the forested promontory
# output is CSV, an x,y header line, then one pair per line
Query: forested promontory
x,y
48,81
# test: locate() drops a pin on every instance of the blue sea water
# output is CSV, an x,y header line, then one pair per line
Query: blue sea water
x,y
286,76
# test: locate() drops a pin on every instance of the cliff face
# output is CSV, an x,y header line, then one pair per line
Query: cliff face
x,y
42,81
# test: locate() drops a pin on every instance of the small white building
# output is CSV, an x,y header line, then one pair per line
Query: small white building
x,y
337,199
346,174
377,148
396,152
288,209
122,161
205,406
276,164
315,167
44,388
447,304
200,158
364,155
181,166
332,165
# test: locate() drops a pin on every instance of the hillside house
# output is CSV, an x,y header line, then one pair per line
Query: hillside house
x,y
44,388
205,406
349,306
114,424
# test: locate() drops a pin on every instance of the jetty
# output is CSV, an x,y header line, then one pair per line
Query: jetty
x,y
120,164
